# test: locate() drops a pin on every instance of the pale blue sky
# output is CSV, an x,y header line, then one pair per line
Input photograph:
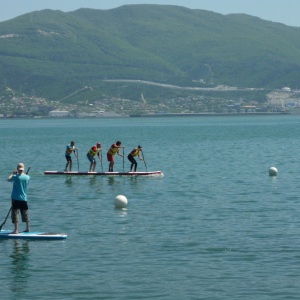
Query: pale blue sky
x,y
283,11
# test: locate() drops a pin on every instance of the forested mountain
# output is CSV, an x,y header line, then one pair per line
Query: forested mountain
x,y
53,54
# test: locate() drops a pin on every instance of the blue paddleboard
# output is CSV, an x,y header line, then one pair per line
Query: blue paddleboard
x,y
33,235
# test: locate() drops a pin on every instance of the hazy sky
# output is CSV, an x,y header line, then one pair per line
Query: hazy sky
x,y
283,11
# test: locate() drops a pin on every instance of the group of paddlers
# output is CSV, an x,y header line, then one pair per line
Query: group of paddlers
x,y
96,150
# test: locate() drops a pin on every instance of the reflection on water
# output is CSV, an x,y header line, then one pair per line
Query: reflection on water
x,y
111,180
93,180
69,181
121,212
134,179
20,264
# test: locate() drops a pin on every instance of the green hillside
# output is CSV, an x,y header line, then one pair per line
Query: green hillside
x,y
52,54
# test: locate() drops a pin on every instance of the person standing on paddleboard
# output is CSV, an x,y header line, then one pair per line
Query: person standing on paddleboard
x,y
113,150
135,152
19,197
91,156
69,149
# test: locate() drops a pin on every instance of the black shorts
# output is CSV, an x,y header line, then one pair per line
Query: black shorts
x,y
23,207
17,204
68,158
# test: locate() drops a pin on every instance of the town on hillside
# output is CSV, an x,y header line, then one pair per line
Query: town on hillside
x,y
12,105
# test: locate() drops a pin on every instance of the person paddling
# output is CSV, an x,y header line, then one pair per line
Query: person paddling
x,y
69,149
19,197
91,156
131,157
113,150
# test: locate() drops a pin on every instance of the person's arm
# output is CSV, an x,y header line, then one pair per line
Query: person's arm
x,y
11,175
75,151
139,155
119,147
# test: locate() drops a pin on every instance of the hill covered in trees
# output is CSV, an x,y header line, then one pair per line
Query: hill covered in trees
x,y
81,55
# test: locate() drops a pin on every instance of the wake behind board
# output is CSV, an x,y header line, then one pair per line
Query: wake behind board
x,y
159,173
33,235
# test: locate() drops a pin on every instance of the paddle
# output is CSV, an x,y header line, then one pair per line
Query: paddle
x,y
101,160
144,160
77,160
11,207
123,161
5,218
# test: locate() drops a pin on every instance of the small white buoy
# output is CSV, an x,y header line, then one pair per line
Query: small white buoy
x,y
273,171
121,201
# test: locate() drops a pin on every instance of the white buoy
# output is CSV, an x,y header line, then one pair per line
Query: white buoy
x,y
273,171
121,201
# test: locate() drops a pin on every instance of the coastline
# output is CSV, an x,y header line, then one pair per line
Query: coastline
x,y
207,114
154,115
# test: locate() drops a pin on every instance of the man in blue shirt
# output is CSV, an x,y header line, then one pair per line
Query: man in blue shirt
x,y
19,196
69,149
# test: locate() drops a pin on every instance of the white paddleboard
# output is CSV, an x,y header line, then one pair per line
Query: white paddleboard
x,y
151,173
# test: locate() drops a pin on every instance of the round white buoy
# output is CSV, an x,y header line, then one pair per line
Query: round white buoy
x,y
121,201
273,171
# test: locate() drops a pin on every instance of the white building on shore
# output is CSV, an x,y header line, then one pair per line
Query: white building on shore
x,y
59,113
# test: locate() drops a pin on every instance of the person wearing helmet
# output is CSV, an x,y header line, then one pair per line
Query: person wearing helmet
x,y
112,151
91,156
135,152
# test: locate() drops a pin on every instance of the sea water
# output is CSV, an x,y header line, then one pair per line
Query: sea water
x,y
215,226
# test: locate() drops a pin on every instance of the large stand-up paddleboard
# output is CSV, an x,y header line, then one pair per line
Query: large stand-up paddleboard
x,y
153,173
33,235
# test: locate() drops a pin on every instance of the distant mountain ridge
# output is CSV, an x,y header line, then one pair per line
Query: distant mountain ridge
x,y
54,53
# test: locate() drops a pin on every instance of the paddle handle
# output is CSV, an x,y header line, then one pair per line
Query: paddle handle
x,y
77,160
144,161
101,160
123,160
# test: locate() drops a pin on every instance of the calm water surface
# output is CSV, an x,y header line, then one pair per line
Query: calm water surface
x,y
216,226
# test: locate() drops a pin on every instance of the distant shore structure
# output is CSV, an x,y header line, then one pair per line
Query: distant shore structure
x,y
59,113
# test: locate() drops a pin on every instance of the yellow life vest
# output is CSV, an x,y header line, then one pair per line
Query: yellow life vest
x,y
93,152
69,150
113,150
135,152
